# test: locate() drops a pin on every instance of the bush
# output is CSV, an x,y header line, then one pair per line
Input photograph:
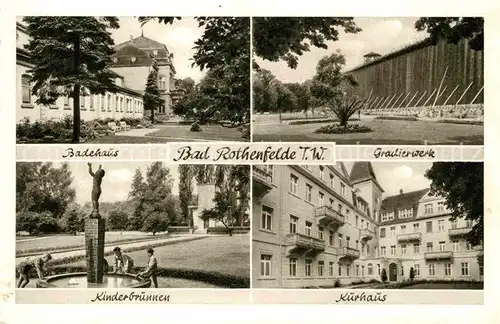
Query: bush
x,y
337,129
179,229
336,284
245,131
195,127
407,118
133,122
317,121
35,223
383,275
412,273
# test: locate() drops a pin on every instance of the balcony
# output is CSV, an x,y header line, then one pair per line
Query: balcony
x,y
261,181
326,215
365,235
441,255
348,253
459,231
300,243
410,237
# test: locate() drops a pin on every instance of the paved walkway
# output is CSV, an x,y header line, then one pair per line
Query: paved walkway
x,y
81,252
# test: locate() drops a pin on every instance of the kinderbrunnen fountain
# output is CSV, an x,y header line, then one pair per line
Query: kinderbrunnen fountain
x,y
95,277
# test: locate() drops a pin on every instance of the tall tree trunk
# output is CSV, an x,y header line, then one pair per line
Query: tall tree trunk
x,y
152,115
76,95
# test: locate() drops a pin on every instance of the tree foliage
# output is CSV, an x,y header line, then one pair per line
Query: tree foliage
x,y
117,220
383,275
187,84
462,185
36,222
40,187
151,98
73,220
71,55
287,38
185,190
454,29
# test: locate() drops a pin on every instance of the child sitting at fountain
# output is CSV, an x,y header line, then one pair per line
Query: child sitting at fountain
x,y
151,269
26,266
123,262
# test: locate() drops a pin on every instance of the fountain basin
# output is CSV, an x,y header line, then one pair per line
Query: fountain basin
x,y
79,280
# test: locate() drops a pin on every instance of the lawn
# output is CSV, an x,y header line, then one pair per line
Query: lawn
x,y
61,241
209,132
120,139
452,285
384,132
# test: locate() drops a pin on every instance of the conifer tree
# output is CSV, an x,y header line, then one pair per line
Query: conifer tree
x,y
71,55
151,97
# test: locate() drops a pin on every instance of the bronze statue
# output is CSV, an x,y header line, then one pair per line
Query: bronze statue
x,y
96,189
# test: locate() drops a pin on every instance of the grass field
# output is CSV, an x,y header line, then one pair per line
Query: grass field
x,y
114,139
59,241
209,132
384,132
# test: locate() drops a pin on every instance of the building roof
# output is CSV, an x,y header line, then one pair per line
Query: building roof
x,y
403,200
372,54
363,171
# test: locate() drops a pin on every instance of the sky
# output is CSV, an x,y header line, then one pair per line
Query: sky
x,y
116,183
394,176
380,35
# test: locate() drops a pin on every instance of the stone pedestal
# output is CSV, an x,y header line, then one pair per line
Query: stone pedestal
x,y
94,248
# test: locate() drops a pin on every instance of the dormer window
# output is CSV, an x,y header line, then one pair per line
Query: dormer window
x,y
115,59
155,52
132,59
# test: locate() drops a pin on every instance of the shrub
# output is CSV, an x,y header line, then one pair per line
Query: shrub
x,y
223,230
245,131
338,129
35,223
412,273
336,284
464,122
407,118
383,275
195,127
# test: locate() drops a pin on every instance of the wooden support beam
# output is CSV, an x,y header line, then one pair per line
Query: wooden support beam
x,y
383,103
451,94
396,99
401,100
477,95
440,85
463,93
370,104
425,103
418,101
437,97
409,102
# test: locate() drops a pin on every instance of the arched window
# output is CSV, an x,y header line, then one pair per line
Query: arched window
x,y
26,85
370,269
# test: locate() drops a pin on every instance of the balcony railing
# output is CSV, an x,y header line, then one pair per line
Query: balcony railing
x,y
459,231
410,237
262,182
440,255
301,241
348,253
366,234
327,215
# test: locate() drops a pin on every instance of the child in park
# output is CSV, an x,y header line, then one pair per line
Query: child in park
x,y
123,263
26,266
151,269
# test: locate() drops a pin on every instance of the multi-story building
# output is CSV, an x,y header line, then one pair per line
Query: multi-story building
x,y
313,225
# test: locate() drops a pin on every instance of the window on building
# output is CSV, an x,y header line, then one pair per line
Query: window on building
x,y
393,250
269,169
321,199
405,213
432,269
416,248
370,269
447,269
468,223
330,238
440,206
340,208
403,249
362,271
340,239
429,246
267,218
308,228
265,265
468,246
320,232
453,224
308,268
102,101
91,102
82,102
382,251
382,232
293,224
464,266
347,241
66,102
456,245
26,88
321,267
332,203
441,225
348,270
330,269
321,172
357,220
442,245
357,270
393,231
378,269
308,193
416,227
428,209
340,270
428,226
332,181
367,249
402,271
416,268
294,184
403,228
293,267
108,104
481,269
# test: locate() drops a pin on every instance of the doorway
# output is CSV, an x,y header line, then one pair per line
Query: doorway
x,y
393,272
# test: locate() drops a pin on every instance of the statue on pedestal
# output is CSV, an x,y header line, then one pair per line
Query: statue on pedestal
x,y
96,189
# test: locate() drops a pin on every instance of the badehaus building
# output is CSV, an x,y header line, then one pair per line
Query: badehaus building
x,y
314,225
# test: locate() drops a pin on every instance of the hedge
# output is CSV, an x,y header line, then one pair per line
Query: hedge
x,y
407,118
402,284
179,229
224,230
463,122
317,121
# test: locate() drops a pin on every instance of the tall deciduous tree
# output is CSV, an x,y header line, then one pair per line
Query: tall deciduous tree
x,y
185,189
186,84
71,55
462,186
287,38
73,220
454,29
151,98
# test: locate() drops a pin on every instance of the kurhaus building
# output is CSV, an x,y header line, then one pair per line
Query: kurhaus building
x,y
131,63
314,225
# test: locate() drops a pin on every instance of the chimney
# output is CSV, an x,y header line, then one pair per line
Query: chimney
x,y
400,191
131,41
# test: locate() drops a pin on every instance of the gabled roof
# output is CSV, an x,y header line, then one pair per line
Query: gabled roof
x,y
403,201
363,171
142,42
